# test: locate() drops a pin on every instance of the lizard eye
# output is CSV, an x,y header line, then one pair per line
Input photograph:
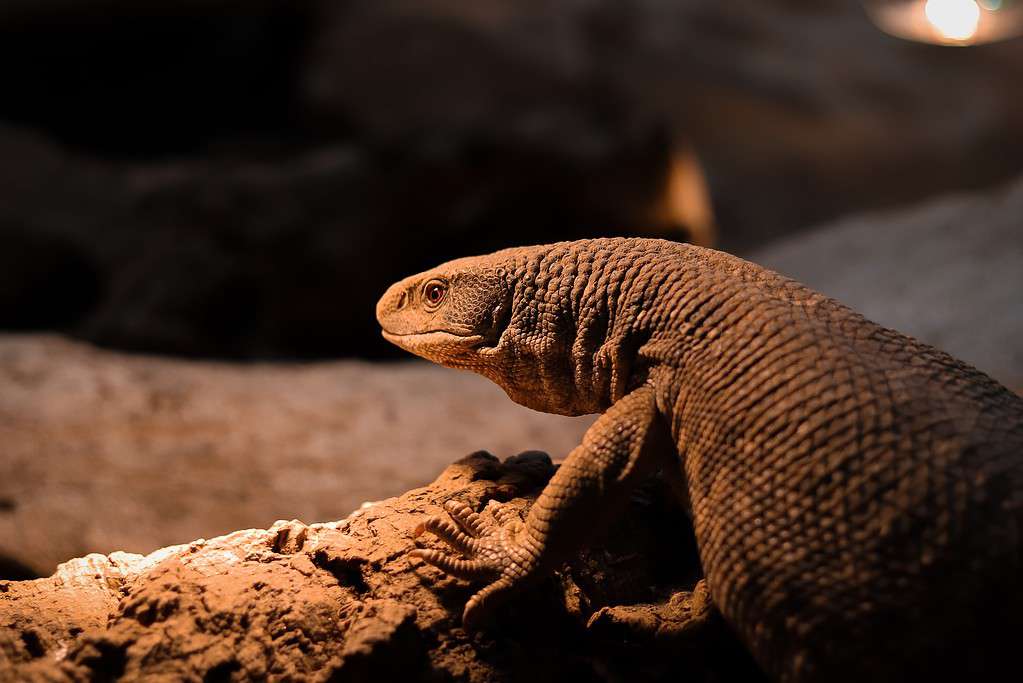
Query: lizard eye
x,y
435,292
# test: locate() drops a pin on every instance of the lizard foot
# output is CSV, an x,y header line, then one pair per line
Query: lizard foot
x,y
500,553
685,616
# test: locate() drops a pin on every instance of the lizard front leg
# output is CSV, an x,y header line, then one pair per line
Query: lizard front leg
x,y
626,443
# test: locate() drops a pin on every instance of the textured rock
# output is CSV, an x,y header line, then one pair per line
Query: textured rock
x,y
949,272
101,451
341,601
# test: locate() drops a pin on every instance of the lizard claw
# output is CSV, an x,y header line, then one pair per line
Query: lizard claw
x,y
498,553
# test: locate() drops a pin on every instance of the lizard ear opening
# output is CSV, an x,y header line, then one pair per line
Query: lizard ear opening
x,y
500,319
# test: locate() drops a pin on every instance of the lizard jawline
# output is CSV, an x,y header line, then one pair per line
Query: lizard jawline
x,y
432,338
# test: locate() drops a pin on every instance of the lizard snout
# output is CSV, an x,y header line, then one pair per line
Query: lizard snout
x,y
396,311
394,300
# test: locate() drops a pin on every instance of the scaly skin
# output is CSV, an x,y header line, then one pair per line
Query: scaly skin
x,y
857,496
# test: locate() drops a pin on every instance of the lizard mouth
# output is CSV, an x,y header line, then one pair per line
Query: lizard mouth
x,y
432,338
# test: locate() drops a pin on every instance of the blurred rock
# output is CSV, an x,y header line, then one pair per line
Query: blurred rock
x,y
949,272
102,451
801,111
214,179
286,257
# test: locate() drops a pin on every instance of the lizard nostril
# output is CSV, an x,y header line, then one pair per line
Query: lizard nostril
x,y
402,298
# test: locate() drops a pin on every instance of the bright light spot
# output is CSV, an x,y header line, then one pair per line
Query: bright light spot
x,y
954,19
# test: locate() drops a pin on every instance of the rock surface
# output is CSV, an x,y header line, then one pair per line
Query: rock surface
x,y
101,451
342,601
949,272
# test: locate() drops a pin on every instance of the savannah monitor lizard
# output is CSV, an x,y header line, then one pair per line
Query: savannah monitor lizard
x,y
856,495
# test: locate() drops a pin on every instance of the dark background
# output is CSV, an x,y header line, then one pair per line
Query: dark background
x,y
242,180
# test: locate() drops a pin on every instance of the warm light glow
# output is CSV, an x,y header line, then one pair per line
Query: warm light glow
x,y
687,200
955,19
948,22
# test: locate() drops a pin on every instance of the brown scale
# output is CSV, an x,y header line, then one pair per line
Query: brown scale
x,y
857,496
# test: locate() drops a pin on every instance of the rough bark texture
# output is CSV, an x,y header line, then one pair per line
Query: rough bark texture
x,y
342,601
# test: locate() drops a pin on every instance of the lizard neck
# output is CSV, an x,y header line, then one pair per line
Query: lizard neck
x,y
590,321
578,322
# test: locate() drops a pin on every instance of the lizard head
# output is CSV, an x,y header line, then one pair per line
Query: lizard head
x,y
511,316
453,314
480,314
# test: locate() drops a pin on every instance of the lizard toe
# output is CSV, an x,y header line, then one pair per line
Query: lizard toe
x,y
469,570
449,533
481,606
496,552
468,519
